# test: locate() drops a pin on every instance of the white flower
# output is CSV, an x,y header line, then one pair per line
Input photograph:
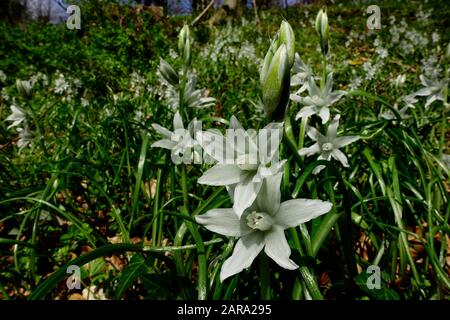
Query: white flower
x,y
262,226
180,141
3,76
301,74
61,84
193,98
446,160
17,116
328,146
25,137
245,159
433,89
400,81
318,101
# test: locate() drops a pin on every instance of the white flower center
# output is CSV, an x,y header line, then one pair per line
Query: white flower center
x,y
260,220
327,146
176,137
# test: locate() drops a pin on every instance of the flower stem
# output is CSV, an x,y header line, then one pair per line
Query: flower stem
x,y
184,186
324,72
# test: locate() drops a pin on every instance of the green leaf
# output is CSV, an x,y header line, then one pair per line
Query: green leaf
x,y
135,268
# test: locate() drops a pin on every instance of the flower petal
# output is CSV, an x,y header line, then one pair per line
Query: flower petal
x,y
234,123
340,142
177,122
224,222
423,92
164,143
268,199
245,193
315,148
324,114
340,156
246,250
277,248
294,212
332,127
318,169
162,131
221,175
305,112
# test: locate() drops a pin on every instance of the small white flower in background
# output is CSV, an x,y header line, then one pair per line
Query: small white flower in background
x,y
355,84
409,100
262,226
399,81
370,70
3,76
390,115
61,84
5,95
318,101
180,141
433,89
435,37
244,160
446,160
25,137
92,293
328,146
17,116
301,73
84,102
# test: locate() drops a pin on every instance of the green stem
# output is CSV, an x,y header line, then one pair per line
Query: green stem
x,y
324,71
184,186
202,262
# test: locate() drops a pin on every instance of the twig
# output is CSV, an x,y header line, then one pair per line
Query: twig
x,y
256,12
203,12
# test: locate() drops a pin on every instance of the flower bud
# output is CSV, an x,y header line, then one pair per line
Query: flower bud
x,y
24,87
184,44
267,60
275,88
168,72
322,30
287,37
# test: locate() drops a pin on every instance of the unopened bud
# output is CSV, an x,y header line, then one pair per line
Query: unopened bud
x,y
287,37
168,72
322,30
275,88
184,44
24,87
